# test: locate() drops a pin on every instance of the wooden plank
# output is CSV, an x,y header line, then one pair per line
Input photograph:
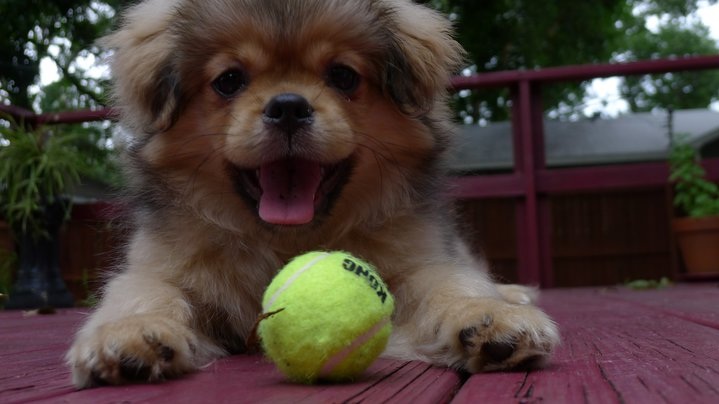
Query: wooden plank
x,y
86,115
33,370
31,354
487,186
252,379
614,351
421,383
584,72
696,303
591,179
603,178
596,179
619,346
527,139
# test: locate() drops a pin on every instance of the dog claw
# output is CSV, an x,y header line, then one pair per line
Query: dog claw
x,y
466,335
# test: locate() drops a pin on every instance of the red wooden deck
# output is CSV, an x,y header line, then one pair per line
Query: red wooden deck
x,y
620,346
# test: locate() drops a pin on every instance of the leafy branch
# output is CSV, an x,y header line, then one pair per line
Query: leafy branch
x,y
694,194
39,166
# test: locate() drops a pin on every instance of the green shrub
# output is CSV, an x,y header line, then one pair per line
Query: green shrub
x,y
39,166
693,193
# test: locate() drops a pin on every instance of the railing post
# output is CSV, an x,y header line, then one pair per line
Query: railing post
x,y
533,219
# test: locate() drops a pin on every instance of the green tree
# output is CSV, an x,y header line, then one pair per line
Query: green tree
x,y
498,34
62,30
683,90
519,34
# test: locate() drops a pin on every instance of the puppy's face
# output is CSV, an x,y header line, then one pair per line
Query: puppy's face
x,y
291,105
289,113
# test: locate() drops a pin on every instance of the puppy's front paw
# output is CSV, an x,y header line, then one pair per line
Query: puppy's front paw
x,y
141,348
494,335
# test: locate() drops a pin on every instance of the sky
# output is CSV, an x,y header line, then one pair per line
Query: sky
x,y
710,16
602,96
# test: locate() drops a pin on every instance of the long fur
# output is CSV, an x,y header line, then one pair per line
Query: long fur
x,y
201,257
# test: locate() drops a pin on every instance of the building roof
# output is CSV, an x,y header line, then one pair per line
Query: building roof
x,y
627,138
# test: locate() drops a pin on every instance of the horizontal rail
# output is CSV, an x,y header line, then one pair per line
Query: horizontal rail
x,y
76,116
487,186
584,72
31,118
577,179
16,113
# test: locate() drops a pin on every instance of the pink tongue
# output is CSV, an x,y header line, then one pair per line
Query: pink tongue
x,y
288,191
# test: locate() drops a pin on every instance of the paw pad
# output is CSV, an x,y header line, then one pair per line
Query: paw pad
x,y
131,369
497,352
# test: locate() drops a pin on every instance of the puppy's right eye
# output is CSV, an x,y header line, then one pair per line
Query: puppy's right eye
x,y
343,78
229,83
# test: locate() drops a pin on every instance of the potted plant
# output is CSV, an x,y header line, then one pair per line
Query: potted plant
x,y
37,168
698,232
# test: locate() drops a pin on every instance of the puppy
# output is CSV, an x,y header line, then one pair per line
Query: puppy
x,y
267,128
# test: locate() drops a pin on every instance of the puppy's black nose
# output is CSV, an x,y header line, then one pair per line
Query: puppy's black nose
x,y
288,112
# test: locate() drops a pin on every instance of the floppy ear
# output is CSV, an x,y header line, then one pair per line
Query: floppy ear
x,y
423,57
146,86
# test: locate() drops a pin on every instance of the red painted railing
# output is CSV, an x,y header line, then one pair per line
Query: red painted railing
x,y
531,182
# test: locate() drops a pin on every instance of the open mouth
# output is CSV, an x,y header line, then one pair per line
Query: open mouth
x,y
291,191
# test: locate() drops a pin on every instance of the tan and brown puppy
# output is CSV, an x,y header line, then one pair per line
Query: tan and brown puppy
x,y
267,128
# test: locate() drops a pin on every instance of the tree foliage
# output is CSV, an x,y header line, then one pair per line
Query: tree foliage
x,y
37,163
498,34
681,90
38,166
62,30
520,34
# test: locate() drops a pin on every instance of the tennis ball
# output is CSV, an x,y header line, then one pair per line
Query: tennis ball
x,y
332,317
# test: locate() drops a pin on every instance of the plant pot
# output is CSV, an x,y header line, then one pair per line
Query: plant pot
x,y
39,283
698,239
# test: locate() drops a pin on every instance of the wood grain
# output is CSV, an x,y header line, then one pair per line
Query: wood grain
x,y
614,351
619,346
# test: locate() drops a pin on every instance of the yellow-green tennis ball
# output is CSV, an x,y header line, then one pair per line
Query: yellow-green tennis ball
x,y
335,317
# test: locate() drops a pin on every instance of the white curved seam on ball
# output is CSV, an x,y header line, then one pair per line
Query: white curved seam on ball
x,y
340,356
292,279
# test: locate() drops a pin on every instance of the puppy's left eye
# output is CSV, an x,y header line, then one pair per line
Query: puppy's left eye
x,y
343,78
229,83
